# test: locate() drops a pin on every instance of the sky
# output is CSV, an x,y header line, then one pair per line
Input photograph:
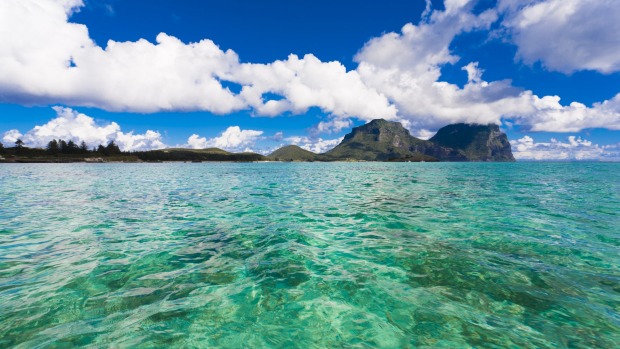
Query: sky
x,y
248,75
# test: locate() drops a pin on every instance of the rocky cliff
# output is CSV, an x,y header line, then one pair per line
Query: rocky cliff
x,y
476,142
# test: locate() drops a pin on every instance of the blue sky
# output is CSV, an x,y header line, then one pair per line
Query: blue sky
x,y
425,64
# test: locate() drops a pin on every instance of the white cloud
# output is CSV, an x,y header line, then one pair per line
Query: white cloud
x,y
332,126
474,74
424,134
315,145
575,148
549,115
232,139
78,127
566,35
44,59
147,141
308,82
278,136
406,67
11,136
196,142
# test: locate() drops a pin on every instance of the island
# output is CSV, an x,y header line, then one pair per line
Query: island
x,y
381,140
378,140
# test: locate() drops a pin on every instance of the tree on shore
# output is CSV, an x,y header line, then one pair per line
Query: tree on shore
x,y
57,147
72,148
52,147
112,149
63,146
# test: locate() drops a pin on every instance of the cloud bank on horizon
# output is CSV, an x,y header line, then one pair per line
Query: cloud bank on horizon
x,y
77,127
72,125
46,59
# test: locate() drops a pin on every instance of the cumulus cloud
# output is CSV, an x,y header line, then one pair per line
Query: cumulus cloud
x,y
11,136
232,139
406,67
575,148
549,115
77,127
424,134
332,126
565,35
307,82
44,58
278,136
314,144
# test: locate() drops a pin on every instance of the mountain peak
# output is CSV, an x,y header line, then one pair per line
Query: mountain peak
x,y
478,142
382,140
380,130
383,122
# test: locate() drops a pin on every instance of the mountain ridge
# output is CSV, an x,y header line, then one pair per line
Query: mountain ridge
x,y
382,140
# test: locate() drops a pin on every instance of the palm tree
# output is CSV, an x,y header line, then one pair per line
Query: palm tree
x,y
19,143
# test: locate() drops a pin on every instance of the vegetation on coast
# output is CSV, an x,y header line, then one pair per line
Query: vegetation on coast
x,y
59,151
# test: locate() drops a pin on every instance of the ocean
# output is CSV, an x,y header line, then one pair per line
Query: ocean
x,y
310,255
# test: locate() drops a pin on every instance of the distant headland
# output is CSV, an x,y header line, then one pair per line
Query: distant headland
x,y
378,140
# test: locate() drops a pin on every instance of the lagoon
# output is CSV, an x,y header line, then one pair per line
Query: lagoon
x,y
281,255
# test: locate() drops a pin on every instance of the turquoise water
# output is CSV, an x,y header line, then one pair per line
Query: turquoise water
x,y
337,255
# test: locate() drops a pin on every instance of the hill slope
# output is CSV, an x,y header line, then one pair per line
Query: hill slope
x,y
293,153
209,154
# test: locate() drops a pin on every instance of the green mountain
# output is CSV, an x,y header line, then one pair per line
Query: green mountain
x,y
476,142
381,140
199,151
293,153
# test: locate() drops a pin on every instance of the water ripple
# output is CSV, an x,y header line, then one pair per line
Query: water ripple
x,y
310,255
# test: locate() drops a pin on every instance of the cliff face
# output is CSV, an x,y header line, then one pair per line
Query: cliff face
x,y
381,140
476,142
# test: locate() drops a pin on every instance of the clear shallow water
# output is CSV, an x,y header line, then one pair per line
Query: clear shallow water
x,y
359,255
